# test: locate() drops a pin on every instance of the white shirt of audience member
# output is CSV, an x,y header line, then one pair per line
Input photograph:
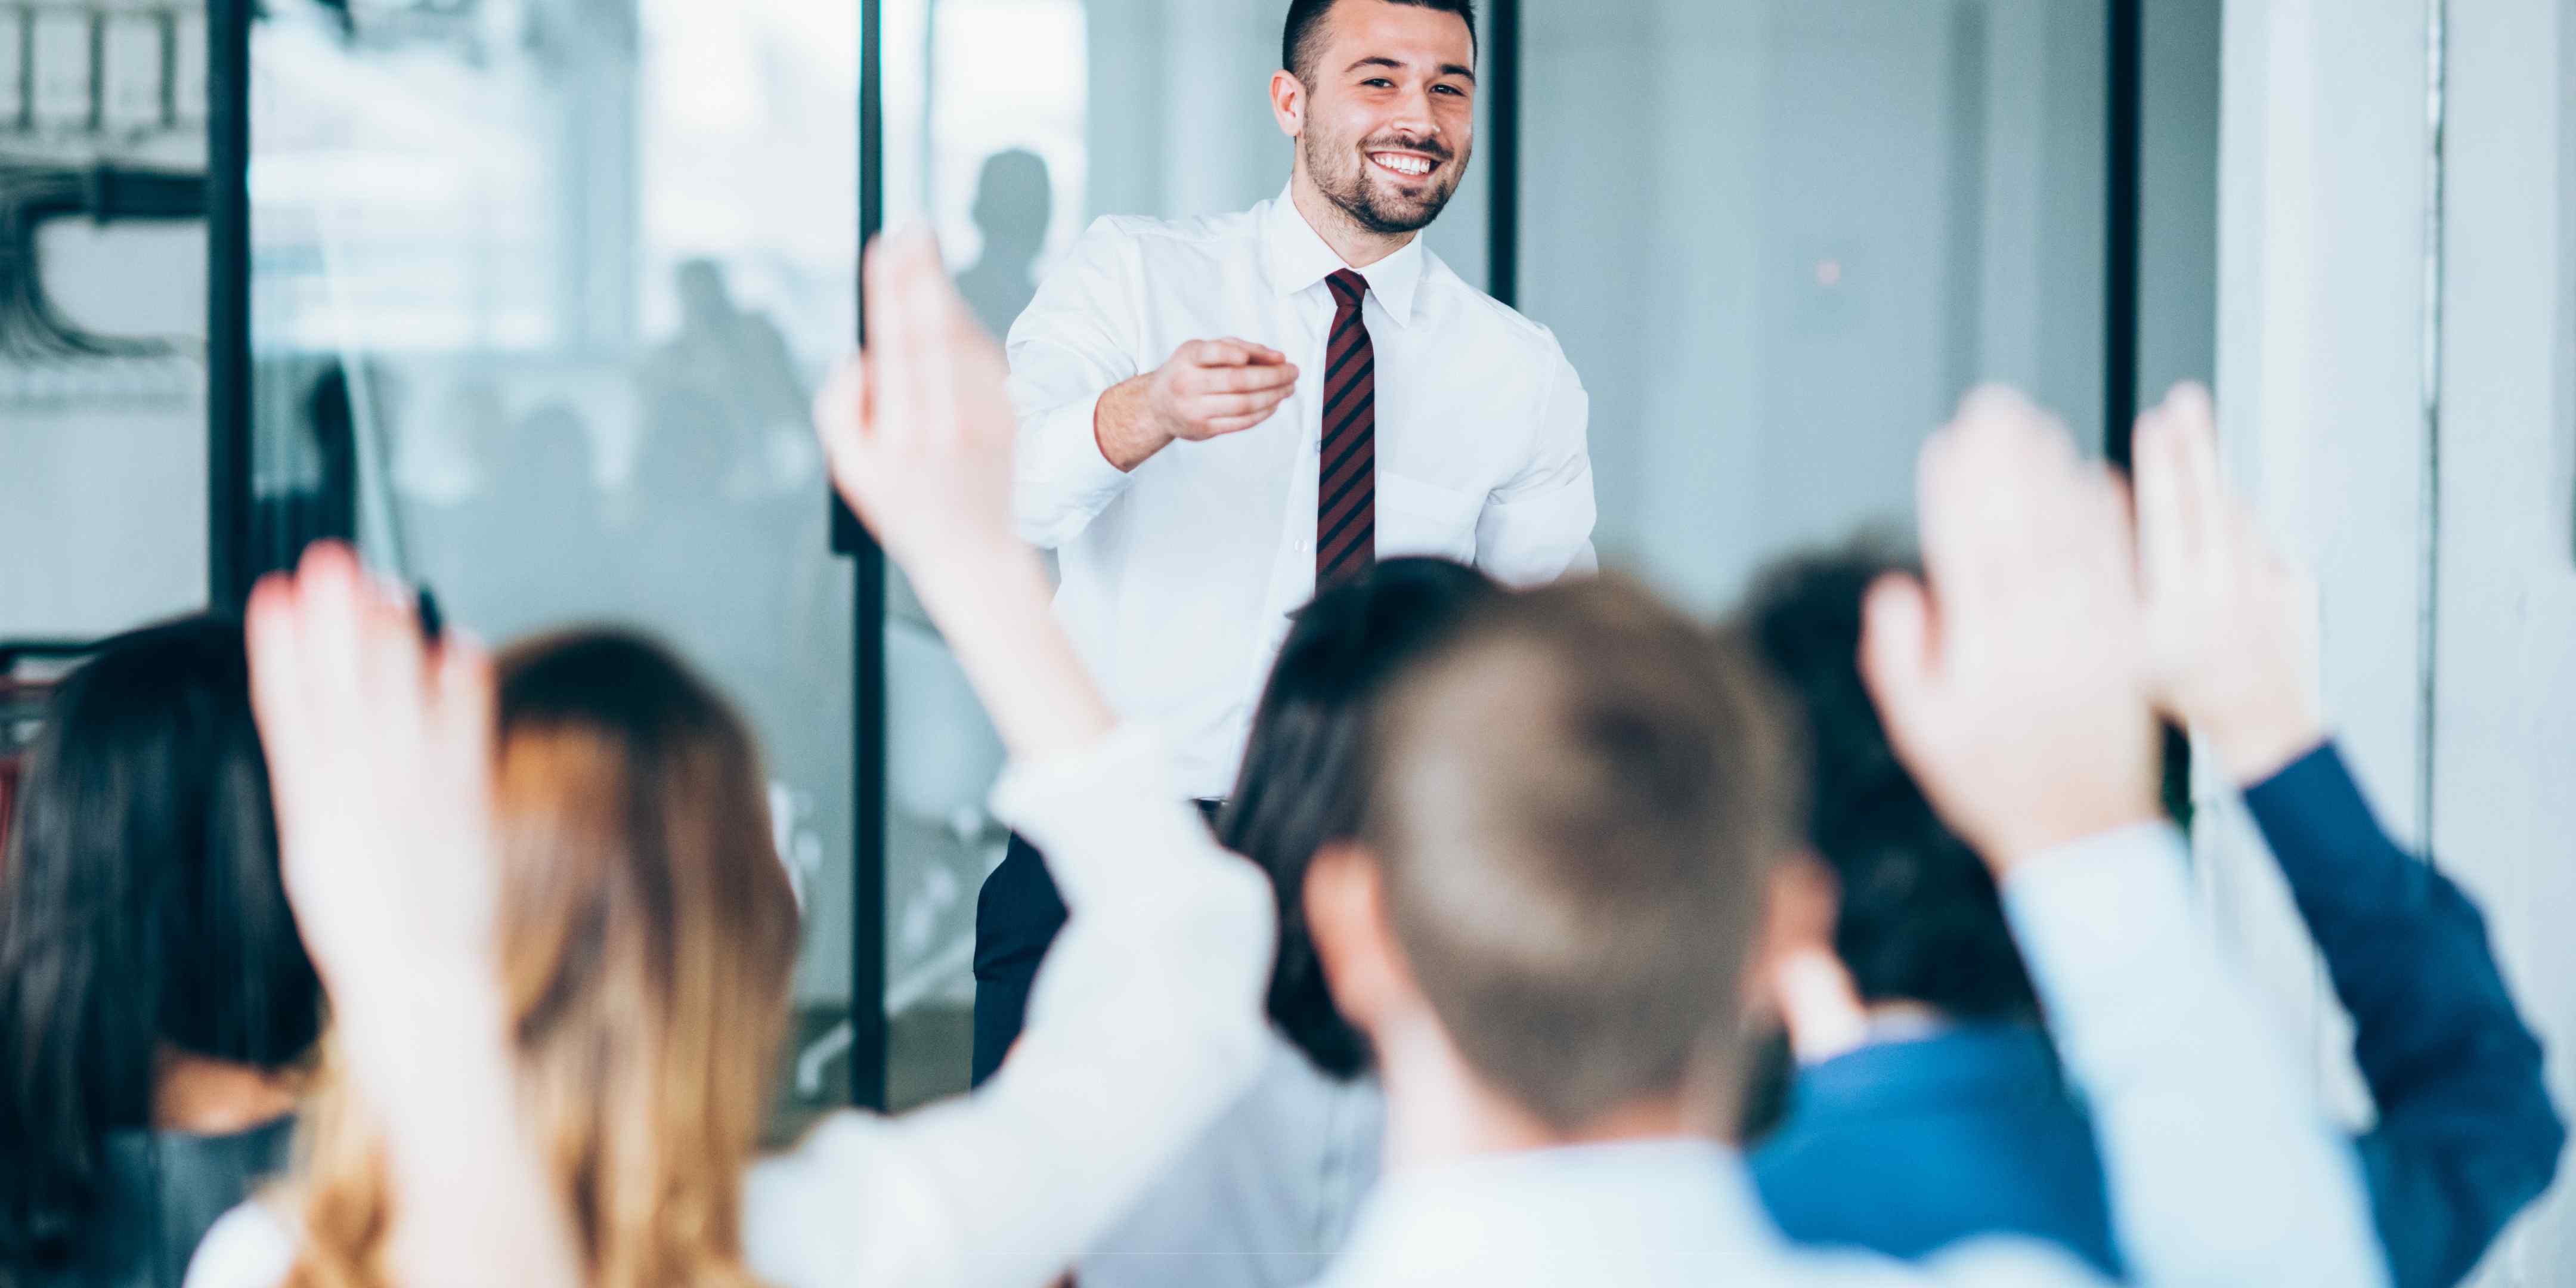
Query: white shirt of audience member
x,y
1179,577
1266,1197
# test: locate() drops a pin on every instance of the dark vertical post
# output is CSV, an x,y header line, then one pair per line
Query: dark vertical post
x,y
2126,144
231,563
26,86
166,24
97,72
868,1021
1502,149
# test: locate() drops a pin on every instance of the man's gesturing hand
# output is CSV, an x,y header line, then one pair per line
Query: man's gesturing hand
x,y
1210,388
2232,627
2014,685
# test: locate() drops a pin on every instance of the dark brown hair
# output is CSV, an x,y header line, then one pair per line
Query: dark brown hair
x,y
1298,41
140,911
1303,781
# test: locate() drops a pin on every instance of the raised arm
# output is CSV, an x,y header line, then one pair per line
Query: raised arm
x,y
2467,1135
1146,1020
380,755
2015,688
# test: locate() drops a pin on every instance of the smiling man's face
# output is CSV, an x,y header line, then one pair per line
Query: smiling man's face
x,y
1390,118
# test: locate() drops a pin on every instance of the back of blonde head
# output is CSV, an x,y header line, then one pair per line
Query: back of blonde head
x,y
647,941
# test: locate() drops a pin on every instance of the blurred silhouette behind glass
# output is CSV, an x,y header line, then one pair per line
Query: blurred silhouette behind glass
x,y
734,359
1014,207
582,260
529,548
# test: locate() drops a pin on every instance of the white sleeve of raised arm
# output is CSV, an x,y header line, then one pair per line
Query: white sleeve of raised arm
x,y
1537,526
1075,341
247,1247
2221,1165
1144,1025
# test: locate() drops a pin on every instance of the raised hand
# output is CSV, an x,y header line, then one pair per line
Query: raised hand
x,y
1209,388
919,432
380,753
2014,686
380,756
919,428
2231,626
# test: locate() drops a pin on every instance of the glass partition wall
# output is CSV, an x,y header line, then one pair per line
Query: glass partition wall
x,y
539,290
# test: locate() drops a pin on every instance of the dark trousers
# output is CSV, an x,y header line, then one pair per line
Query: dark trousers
x,y
1017,916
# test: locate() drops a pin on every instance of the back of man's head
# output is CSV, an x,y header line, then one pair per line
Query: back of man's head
x,y
1575,805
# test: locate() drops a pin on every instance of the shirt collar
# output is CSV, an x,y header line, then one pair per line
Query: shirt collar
x,y
1971,1063
1300,258
1667,1210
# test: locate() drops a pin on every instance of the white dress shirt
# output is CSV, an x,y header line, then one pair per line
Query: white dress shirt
x,y
1145,1024
1266,1197
2222,1170
1179,576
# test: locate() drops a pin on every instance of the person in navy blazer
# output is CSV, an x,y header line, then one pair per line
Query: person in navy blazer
x,y
1926,1105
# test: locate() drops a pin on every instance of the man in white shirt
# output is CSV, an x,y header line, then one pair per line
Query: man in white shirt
x,y
1217,415
1549,922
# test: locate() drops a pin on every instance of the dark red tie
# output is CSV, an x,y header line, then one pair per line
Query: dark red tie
x,y
1346,480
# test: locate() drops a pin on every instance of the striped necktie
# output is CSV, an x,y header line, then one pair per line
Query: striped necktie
x,y
1346,479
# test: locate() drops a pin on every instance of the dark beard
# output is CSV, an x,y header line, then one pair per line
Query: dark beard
x,y
1352,192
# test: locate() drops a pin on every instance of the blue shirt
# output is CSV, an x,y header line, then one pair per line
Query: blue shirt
x,y
1906,1147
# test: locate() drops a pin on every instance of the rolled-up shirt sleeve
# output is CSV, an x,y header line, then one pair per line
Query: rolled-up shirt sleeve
x,y
1537,527
1075,341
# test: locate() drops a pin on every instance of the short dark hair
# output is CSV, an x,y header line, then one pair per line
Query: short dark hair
x,y
140,908
1921,919
1298,43
1302,785
1575,805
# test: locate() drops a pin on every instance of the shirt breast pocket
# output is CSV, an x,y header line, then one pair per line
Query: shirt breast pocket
x,y
1417,518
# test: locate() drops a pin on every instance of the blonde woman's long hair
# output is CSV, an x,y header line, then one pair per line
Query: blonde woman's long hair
x,y
648,936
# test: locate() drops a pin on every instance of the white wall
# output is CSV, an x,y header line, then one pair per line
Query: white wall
x,y
2504,733
2322,383
2319,371
1779,238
